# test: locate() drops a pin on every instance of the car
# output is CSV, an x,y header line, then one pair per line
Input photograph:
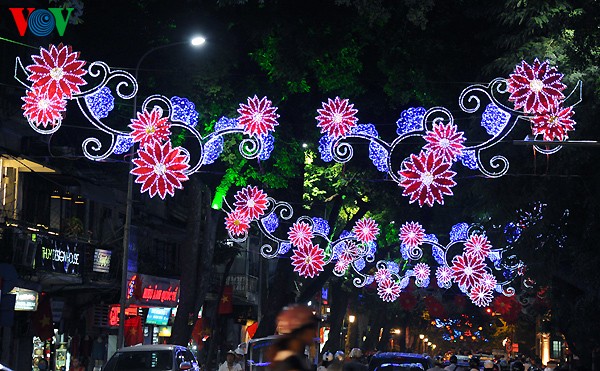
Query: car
x,y
4,368
161,357
256,353
396,361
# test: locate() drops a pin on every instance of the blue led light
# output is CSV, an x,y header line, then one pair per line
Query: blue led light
x,y
494,119
359,264
123,144
345,234
320,226
512,232
459,231
430,238
423,283
378,154
267,148
438,255
226,123
184,111
270,222
468,159
411,120
212,150
325,147
369,280
100,103
284,248
404,251
393,266
338,249
365,129
372,248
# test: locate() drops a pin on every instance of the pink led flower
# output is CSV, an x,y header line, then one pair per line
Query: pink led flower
x,y
537,88
443,275
412,234
488,281
426,178
258,116
388,290
481,296
477,246
554,124
251,201
42,110
467,270
421,271
337,117
237,223
341,265
160,169
382,274
445,141
366,230
150,127
300,234
57,72
308,260
349,251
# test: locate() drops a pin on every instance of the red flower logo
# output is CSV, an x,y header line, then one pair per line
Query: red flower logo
x,y
251,201
237,223
412,234
445,141
426,178
308,260
150,127
467,270
337,117
536,88
57,72
477,246
481,295
554,124
160,169
300,234
258,116
366,230
43,110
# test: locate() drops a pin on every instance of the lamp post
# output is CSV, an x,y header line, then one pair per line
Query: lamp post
x,y
195,42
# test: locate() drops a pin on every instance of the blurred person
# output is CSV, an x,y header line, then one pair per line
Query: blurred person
x,y
453,366
229,364
338,361
298,326
76,365
239,358
327,359
517,366
474,364
354,363
488,365
437,364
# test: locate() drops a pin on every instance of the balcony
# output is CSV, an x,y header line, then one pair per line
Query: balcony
x,y
245,287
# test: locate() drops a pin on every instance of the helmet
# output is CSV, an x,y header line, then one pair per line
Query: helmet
x,y
327,356
295,317
488,364
518,366
355,353
474,362
339,355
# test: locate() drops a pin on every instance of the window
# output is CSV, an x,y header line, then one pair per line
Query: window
x,y
144,360
556,349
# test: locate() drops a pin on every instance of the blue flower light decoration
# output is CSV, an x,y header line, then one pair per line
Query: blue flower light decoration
x,y
226,123
100,103
325,146
378,154
212,150
268,141
459,231
468,159
270,222
123,144
494,119
411,120
184,111
320,226
365,129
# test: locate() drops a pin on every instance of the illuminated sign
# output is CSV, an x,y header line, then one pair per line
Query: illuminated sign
x,y
57,255
113,314
102,260
152,291
158,316
26,300
164,331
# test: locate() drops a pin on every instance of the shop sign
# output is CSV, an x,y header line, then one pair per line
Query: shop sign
x,y
58,256
26,300
164,331
102,261
152,291
113,314
158,316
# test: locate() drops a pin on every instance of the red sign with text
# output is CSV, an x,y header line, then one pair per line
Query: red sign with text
x,y
152,290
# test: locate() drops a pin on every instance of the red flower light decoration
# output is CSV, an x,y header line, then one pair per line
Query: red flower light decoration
x,y
382,274
412,234
308,260
258,117
422,271
300,234
57,72
481,295
349,252
426,178
237,223
251,201
337,117
341,265
488,281
445,141
388,290
467,270
150,127
366,230
42,110
160,169
554,124
535,88
477,246
443,275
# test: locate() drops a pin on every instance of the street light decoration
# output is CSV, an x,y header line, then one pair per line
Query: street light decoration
x,y
58,75
532,94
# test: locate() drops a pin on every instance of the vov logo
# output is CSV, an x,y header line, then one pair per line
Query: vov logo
x,y
41,22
